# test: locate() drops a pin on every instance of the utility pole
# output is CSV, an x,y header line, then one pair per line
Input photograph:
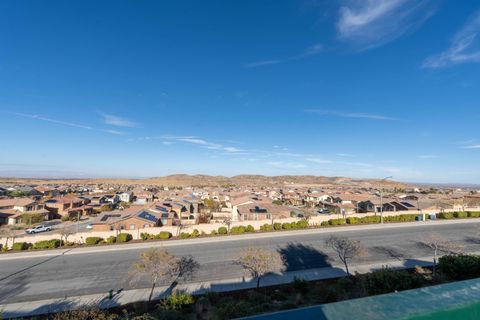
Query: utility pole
x,y
381,199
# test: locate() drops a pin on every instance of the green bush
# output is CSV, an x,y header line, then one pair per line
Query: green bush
x,y
401,218
20,246
164,235
222,230
124,237
353,220
473,214
460,267
32,218
145,236
47,244
277,226
111,239
302,224
91,241
445,215
249,228
177,301
286,226
195,233
184,235
370,219
388,280
324,224
237,230
460,215
266,227
336,222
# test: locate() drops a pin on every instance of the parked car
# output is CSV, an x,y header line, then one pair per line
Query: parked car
x,y
324,211
89,226
38,229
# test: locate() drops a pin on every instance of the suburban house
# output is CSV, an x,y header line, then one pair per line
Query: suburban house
x,y
126,196
12,210
143,198
133,218
69,206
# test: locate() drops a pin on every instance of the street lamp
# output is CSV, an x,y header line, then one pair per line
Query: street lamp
x,y
381,199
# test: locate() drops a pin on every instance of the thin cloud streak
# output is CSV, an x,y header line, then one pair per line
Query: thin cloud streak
x,y
308,52
118,121
372,23
358,115
42,118
461,48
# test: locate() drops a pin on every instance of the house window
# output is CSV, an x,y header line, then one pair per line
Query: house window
x,y
269,216
132,227
122,227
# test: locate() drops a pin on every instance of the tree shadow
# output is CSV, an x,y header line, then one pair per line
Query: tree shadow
x,y
13,287
301,257
389,252
472,240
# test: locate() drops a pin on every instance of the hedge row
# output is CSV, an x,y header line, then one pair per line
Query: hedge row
x,y
163,235
459,215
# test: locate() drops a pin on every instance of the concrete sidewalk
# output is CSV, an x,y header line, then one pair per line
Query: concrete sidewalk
x,y
32,308
218,239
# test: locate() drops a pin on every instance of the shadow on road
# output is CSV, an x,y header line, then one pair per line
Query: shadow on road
x,y
388,252
302,257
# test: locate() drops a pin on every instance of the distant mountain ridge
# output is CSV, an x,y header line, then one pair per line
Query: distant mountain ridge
x,y
212,181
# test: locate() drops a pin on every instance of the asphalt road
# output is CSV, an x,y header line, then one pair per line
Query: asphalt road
x,y
30,279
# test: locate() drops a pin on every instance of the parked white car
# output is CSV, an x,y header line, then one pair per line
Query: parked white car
x,y
38,229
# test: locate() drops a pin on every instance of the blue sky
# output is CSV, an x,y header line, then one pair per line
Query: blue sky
x,y
146,88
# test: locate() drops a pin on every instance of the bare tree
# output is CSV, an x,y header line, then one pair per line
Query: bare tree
x,y
8,234
438,244
64,234
159,264
346,249
228,223
259,262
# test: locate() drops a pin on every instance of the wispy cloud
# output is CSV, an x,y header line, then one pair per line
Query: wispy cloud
x,y
206,144
262,63
65,123
473,146
42,118
308,52
358,115
464,47
427,156
345,155
319,161
372,23
118,121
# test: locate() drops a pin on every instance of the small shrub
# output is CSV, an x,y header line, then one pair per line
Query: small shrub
x,y
266,227
302,224
336,222
20,246
164,235
184,235
249,228
124,237
111,239
445,215
145,236
324,224
277,226
387,280
237,230
460,215
65,218
286,226
47,244
473,214
460,267
222,230
195,233
177,301
213,232
370,219
91,241
353,220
